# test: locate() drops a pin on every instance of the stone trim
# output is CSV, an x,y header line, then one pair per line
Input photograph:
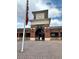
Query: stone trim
x,y
47,39
32,39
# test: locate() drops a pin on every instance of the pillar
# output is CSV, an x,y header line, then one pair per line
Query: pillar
x,y
47,33
32,34
59,35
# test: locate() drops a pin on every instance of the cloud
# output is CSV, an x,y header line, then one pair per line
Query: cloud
x,y
41,6
54,12
55,22
20,12
36,5
21,25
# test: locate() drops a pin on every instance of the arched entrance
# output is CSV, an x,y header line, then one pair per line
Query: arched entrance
x,y
39,34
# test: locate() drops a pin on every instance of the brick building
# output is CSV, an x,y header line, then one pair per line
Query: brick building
x,y
40,27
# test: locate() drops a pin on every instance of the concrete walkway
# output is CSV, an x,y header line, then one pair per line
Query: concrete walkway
x,y
40,50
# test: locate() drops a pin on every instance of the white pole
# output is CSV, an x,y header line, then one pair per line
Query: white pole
x,y
22,48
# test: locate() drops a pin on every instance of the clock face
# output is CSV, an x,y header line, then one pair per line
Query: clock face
x,y
40,16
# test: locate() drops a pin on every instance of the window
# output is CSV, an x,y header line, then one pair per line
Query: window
x,y
54,34
27,34
21,35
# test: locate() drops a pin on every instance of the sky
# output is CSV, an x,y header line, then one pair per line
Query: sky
x,y
54,8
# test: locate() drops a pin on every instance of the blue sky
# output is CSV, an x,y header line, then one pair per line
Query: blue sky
x,y
54,8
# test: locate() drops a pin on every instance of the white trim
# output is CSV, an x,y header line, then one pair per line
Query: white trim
x,y
32,39
60,38
18,38
47,39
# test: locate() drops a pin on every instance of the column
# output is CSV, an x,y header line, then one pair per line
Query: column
x,y
47,34
59,35
32,34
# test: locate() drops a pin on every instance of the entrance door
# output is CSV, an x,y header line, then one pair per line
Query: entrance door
x,y
39,34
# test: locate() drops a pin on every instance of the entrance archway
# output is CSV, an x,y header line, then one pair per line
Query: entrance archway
x,y
39,34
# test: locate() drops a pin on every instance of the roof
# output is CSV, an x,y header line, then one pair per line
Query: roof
x,y
20,30
40,11
56,27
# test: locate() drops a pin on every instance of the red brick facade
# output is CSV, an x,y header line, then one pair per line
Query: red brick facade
x,y
47,32
43,22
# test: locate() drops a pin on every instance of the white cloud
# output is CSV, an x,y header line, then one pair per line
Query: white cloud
x,y
54,12
22,3
36,5
55,22
41,6
21,25
20,11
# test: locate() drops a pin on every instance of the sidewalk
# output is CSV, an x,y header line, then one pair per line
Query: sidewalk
x,y
40,50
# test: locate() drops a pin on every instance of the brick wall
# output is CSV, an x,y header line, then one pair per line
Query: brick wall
x,y
32,33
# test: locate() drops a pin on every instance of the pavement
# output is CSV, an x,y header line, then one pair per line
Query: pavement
x,y
40,50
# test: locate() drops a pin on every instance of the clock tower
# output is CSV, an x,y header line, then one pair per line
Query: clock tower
x,y
40,26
